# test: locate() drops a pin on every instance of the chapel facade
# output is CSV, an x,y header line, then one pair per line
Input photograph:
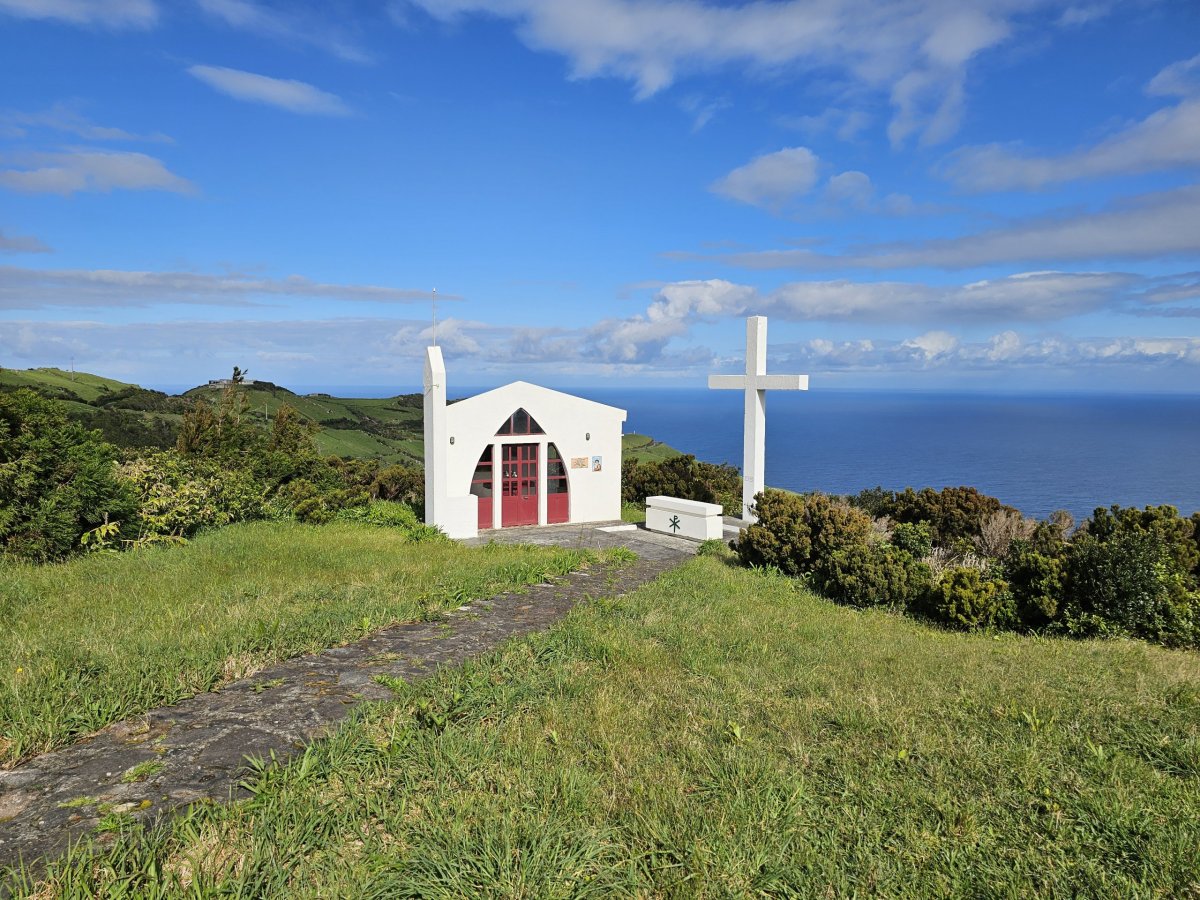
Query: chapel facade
x,y
517,455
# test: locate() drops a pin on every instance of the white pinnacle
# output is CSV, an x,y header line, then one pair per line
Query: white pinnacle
x,y
756,382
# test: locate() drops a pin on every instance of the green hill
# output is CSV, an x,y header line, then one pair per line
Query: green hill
x,y
643,448
388,429
78,386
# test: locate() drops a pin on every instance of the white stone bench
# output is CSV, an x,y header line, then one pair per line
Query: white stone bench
x,y
685,518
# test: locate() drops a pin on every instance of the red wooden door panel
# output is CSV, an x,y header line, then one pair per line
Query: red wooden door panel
x,y
519,484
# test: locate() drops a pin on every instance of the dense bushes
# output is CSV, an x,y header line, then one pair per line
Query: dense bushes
x,y
179,495
952,514
796,533
976,563
684,477
57,479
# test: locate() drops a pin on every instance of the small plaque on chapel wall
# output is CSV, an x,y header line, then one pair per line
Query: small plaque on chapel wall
x,y
579,462
597,464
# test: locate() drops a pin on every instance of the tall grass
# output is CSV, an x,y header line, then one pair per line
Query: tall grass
x,y
97,639
723,733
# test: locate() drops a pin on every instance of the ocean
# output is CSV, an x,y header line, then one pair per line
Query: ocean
x,y
1037,452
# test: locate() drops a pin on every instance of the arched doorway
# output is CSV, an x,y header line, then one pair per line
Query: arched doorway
x,y
481,486
516,477
557,490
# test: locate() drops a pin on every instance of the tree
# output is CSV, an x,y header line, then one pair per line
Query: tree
x,y
239,375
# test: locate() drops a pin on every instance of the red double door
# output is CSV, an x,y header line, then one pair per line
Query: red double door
x,y
519,484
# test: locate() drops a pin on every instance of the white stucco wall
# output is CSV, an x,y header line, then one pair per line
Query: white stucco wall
x,y
577,427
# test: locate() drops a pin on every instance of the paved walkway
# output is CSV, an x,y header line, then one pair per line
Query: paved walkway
x,y
174,756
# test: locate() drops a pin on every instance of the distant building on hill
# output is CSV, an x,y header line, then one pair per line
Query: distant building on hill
x,y
225,382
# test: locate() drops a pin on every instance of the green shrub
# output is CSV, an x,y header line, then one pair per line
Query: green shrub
x,y
795,533
1195,520
403,483
384,513
875,574
1036,580
1129,584
913,537
953,513
685,477
968,598
57,479
307,503
1173,533
179,495
873,501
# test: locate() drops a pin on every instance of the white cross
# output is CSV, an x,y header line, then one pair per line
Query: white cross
x,y
756,382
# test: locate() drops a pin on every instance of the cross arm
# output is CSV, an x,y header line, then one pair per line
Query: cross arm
x,y
726,382
781,382
758,382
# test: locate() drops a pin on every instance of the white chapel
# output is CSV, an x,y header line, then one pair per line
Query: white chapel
x,y
517,455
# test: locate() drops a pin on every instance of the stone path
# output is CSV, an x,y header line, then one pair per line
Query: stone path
x,y
174,756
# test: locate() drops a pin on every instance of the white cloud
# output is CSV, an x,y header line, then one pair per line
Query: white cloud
x,y
1161,224
67,118
1167,139
1006,351
845,124
771,180
653,42
17,243
1025,297
92,170
108,13
294,96
702,110
932,345
1180,79
290,24
378,350
22,288
852,188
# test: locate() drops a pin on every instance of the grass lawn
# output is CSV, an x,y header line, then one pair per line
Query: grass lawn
x,y
722,733
103,637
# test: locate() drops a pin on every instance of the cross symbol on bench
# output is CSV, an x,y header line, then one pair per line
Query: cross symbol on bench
x,y
674,523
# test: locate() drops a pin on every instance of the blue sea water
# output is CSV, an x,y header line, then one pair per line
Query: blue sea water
x,y
1037,452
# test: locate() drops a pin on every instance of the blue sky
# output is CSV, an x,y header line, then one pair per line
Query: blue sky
x,y
1000,194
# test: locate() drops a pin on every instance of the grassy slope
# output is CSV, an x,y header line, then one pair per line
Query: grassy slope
x,y
100,638
264,403
54,381
724,733
646,449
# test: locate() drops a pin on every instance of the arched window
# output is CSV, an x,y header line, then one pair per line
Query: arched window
x,y
520,422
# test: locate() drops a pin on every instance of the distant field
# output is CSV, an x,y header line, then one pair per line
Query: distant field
x,y
724,733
